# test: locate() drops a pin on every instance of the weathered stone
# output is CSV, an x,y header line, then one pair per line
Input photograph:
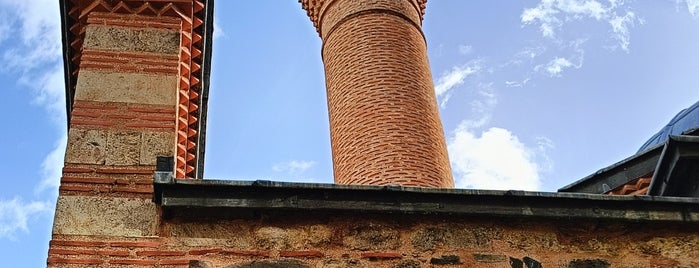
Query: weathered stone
x,y
516,263
446,259
372,237
344,264
490,258
86,146
454,237
318,235
531,263
529,240
284,263
231,234
126,87
125,217
131,39
199,264
589,263
123,148
408,264
272,238
154,144
428,238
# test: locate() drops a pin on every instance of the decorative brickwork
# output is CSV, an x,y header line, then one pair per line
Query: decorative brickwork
x,y
384,121
184,16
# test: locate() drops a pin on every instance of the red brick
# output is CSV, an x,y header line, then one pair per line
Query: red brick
x,y
382,255
143,182
135,244
94,65
133,262
74,261
663,262
120,253
163,25
148,110
137,190
72,251
301,254
80,121
164,70
93,105
257,253
158,118
152,125
124,181
72,243
121,116
76,188
144,171
68,179
76,170
161,253
85,113
204,251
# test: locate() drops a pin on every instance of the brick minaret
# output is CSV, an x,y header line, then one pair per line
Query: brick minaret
x,y
384,121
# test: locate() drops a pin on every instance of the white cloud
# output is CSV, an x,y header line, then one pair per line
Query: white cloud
x,y
556,66
520,83
36,58
52,166
492,159
15,214
465,50
33,55
293,167
453,78
551,15
39,32
218,31
693,7
620,27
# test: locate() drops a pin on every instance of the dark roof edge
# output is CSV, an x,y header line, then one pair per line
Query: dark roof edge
x,y
67,55
179,198
597,177
206,75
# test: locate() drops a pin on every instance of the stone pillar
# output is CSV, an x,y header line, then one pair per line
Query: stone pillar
x,y
123,116
384,120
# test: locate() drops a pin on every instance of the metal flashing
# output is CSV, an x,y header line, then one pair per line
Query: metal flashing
x,y
229,199
617,174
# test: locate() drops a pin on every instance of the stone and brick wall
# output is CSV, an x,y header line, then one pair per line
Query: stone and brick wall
x,y
312,240
384,121
132,103
123,116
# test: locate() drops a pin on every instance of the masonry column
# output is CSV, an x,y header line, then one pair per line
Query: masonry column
x,y
132,71
384,122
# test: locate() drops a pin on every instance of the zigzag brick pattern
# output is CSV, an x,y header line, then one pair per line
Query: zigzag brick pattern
x,y
183,15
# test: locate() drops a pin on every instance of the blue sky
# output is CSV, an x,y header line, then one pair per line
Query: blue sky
x,y
533,95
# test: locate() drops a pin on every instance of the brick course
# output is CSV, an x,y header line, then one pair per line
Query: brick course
x,y
419,242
